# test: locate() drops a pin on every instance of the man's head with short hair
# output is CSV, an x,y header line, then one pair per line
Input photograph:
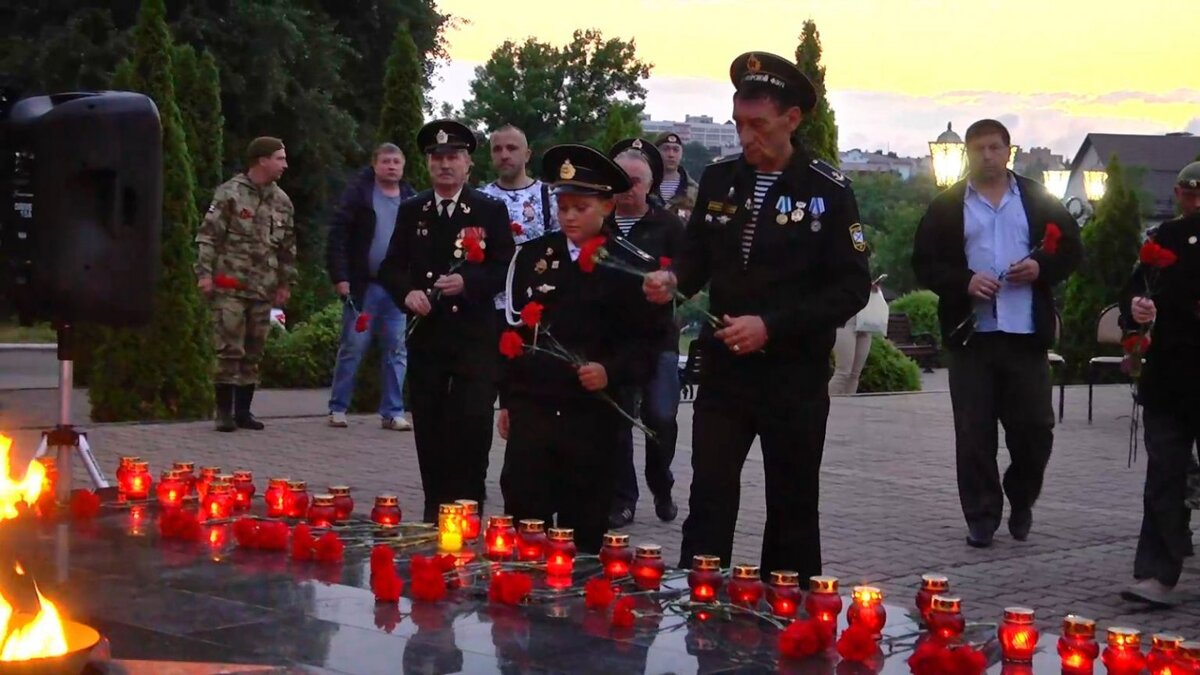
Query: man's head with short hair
x,y
510,153
266,159
765,118
988,144
388,163
1187,189
641,177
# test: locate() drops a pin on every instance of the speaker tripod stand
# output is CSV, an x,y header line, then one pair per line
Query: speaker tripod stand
x,y
64,438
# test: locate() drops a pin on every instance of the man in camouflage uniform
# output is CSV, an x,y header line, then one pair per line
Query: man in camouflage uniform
x,y
246,259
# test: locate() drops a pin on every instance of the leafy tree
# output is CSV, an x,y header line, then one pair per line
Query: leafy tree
x,y
695,157
1110,247
891,207
198,90
163,370
817,133
623,122
400,117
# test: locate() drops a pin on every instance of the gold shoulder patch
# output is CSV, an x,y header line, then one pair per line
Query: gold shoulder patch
x,y
858,238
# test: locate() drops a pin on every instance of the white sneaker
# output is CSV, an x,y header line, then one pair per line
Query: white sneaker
x,y
397,424
338,420
1152,591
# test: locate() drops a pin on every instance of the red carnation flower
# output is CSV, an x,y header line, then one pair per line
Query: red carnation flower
x,y
226,282
966,660
473,245
362,323
531,313
664,262
245,532
622,616
387,586
428,583
510,588
302,542
511,344
516,228
84,504
1051,238
329,548
590,253
856,644
382,556
1136,344
929,658
803,639
272,535
598,594
1154,255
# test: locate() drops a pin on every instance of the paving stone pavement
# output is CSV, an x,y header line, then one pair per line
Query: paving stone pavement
x,y
889,501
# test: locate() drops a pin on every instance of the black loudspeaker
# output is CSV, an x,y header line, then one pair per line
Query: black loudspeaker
x,y
81,228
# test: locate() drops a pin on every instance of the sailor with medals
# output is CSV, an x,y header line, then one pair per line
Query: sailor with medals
x,y
579,333
775,234
445,263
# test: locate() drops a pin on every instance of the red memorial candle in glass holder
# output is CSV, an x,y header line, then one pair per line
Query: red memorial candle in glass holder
x,y
124,465
531,540
783,593
615,555
322,512
1164,654
276,497
1123,655
946,622
500,539
218,501
343,503
171,490
705,579
243,489
647,568
866,609
823,603
745,586
471,524
208,474
1018,636
296,503
139,481
187,474
931,585
450,528
1189,657
560,552
1077,648
386,511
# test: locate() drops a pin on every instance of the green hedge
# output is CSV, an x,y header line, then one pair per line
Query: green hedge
x,y
888,369
921,308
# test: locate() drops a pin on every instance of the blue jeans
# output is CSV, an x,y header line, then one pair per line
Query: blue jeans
x,y
387,323
659,408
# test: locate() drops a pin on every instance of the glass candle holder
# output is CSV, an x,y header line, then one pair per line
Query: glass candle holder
x,y
1018,635
296,503
208,474
187,473
140,482
560,552
705,579
343,503
1189,656
866,609
472,526
450,528
783,593
1164,653
531,540
745,586
218,501
276,497
615,555
243,489
386,511
500,539
946,621
931,585
823,603
171,490
1077,648
322,512
124,465
647,568
1123,655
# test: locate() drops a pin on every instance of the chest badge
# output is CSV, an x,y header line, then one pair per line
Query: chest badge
x,y
427,206
554,265
1192,240
858,238
544,289
245,214
540,266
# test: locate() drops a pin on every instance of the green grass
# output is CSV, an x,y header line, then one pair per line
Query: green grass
x,y
42,332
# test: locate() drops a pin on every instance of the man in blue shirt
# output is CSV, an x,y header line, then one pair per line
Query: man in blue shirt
x,y
979,247
359,235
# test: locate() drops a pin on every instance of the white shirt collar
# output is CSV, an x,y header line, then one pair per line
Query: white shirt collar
x,y
573,251
438,199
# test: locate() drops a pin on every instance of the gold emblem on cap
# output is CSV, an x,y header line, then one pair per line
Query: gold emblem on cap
x,y
753,64
637,144
567,170
442,136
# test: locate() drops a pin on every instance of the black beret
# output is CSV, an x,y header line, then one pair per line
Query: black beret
x,y
579,169
761,68
444,135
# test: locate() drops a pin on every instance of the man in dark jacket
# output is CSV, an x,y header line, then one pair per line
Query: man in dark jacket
x,y
358,240
676,188
987,248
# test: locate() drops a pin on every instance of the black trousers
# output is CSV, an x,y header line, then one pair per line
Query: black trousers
x,y
561,459
452,417
791,429
1005,378
1163,542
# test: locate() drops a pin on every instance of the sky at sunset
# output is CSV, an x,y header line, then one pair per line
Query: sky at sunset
x,y
897,70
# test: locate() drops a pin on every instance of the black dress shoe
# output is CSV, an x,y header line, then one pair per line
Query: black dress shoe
x,y
665,509
1019,523
978,536
620,518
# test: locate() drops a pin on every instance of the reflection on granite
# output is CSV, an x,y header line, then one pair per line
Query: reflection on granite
x,y
188,603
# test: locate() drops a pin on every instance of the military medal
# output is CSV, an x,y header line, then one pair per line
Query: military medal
x,y
1192,239
816,225
554,265
545,288
539,266
797,215
781,219
458,253
722,219
549,251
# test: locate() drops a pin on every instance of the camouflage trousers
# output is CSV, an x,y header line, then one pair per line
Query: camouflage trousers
x,y
240,329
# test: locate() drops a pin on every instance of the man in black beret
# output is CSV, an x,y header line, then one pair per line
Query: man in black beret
x,y
775,234
676,187
446,261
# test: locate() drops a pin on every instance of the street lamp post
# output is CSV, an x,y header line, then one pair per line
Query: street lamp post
x,y
947,153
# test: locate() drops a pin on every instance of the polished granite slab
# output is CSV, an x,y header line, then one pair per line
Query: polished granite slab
x,y
174,607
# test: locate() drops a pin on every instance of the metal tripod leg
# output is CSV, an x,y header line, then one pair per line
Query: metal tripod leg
x,y
65,439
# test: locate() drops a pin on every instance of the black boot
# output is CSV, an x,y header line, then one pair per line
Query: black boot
x,y
224,395
243,396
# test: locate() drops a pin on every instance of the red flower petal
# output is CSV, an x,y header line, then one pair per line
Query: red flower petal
x,y
362,323
329,548
590,253
516,228
245,532
622,616
1051,238
598,594
84,504
664,262
511,344
273,536
302,542
856,644
531,313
